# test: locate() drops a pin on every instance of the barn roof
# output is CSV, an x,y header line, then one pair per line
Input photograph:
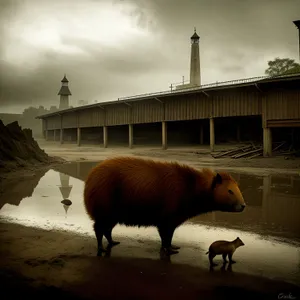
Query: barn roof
x,y
254,81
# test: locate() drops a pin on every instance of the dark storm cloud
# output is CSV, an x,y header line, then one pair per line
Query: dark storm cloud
x,y
231,32
236,40
96,79
105,73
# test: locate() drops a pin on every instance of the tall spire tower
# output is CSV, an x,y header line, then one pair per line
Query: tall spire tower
x,y
64,93
297,24
195,78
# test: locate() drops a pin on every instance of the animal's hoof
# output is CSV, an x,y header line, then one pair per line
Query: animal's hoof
x,y
232,262
114,243
100,251
174,247
213,264
170,251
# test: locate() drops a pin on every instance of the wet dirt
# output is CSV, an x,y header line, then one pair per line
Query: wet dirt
x,y
57,245
53,245
45,264
198,156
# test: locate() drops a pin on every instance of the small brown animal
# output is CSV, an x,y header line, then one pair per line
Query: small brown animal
x,y
141,192
225,248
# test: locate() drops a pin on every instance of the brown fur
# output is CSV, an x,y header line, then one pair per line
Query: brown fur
x,y
224,248
139,192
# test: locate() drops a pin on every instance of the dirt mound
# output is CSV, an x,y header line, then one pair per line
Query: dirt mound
x,y
19,149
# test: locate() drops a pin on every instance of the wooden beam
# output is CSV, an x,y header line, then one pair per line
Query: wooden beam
x,y
256,85
155,98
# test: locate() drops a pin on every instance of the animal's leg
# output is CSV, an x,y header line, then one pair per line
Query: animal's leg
x,y
211,257
224,257
230,259
166,235
98,228
107,234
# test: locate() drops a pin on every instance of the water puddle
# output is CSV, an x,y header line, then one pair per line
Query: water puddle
x,y
270,226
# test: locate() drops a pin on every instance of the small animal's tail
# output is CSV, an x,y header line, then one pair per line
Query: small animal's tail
x,y
207,252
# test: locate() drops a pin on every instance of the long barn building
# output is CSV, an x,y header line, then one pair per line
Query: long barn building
x,y
249,109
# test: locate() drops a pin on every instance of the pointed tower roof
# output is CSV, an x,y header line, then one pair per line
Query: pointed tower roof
x,y
195,36
64,90
65,79
66,208
297,23
65,191
65,188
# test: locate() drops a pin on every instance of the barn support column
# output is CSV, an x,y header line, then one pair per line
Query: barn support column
x,y
164,135
212,134
54,135
266,197
46,134
267,140
45,129
201,134
78,136
130,136
61,136
61,130
105,136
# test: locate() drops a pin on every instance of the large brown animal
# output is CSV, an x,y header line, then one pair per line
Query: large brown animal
x,y
139,192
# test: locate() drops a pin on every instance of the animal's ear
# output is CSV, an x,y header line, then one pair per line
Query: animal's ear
x,y
217,180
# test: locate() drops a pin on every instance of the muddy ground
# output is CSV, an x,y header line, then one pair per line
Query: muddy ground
x,y
44,263
195,156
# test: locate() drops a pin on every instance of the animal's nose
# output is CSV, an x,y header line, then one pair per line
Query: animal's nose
x,y
243,205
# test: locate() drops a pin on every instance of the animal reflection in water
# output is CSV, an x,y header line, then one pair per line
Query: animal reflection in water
x,y
223,267
66,204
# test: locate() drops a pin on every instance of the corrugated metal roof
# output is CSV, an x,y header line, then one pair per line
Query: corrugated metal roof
x,y
203,88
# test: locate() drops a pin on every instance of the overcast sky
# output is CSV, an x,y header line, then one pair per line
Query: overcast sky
x,y
116,48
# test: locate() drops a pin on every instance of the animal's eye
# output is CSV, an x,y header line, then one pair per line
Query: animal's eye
x,y
230,192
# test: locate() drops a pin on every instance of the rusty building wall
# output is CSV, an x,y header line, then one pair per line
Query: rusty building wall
x,y
117,114
282,104
92,117
187,107
53,122
70,120
150,111
237,102
273,102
